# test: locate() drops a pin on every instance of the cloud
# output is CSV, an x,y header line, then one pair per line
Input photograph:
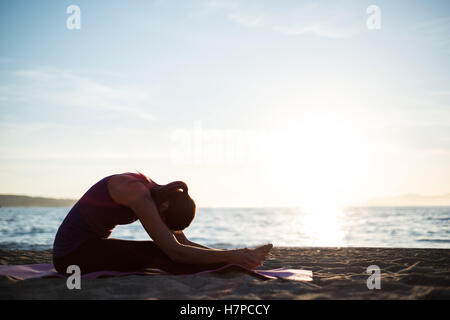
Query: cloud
x,y
45,140
285,21
240,18
434,25
233,12
439,93
59,115
437,31
51,86
317,29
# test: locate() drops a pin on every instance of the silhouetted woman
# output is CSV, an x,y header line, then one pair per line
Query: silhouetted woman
x,y
163,210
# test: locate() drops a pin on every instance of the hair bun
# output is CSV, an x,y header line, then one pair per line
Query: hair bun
x,y
184,187
179,185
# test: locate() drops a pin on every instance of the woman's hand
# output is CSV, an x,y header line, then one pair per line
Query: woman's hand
x,y
250,258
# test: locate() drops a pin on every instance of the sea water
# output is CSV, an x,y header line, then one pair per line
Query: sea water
x,y
402,227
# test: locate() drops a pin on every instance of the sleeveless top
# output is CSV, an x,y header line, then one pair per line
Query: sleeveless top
x,y
94,215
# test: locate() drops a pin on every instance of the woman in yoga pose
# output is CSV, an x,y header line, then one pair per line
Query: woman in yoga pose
x,y
163,210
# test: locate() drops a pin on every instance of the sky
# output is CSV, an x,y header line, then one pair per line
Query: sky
x,y
252,103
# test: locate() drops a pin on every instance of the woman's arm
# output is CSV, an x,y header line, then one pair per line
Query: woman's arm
x,y
130,192
147,213
183,240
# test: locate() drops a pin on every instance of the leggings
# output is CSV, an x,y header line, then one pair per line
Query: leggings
x,y
124,255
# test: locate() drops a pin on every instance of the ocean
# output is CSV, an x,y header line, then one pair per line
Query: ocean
x,y
402,227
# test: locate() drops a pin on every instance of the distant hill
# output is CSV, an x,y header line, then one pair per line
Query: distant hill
x,y
411,200
7,200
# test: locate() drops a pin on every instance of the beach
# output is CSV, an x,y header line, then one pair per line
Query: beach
x,y
338,273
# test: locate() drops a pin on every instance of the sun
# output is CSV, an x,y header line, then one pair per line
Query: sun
x,y
319,159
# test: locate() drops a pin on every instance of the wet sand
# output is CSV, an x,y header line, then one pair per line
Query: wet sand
x,y
339,273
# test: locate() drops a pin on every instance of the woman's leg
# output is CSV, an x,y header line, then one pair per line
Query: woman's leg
x,y
125,255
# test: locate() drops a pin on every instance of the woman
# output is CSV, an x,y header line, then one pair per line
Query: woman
x,y
163,210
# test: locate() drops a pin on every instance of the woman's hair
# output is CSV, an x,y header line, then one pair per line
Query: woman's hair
x,y
181,209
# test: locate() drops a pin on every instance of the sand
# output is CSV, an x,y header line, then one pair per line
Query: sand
x,y
339,273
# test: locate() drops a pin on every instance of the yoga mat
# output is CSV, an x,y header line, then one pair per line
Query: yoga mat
x,y
30,271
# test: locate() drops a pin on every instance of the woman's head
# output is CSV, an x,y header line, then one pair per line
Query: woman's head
x,y
176,207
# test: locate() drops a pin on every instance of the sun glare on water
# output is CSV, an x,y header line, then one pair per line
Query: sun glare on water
x,y
321,163
323,224
334,162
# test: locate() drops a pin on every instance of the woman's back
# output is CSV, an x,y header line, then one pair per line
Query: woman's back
x,y
94,216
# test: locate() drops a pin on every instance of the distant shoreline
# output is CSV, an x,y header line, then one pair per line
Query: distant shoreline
x,y
8,200
411,200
